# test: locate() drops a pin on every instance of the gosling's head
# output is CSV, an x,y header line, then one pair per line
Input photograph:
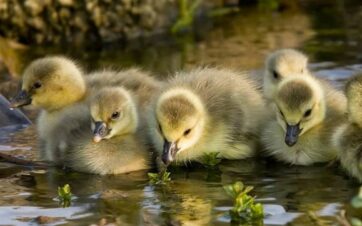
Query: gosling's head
x,y
181,119
113,113
299,105
354,95
50,83
281,64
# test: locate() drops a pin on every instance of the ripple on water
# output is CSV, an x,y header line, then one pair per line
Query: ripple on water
x,y
196,195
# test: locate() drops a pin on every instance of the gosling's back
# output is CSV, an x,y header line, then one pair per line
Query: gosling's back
x,y
140,82
234,112
347,138
228,96
120,154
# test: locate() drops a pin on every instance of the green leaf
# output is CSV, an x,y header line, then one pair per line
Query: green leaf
x,y
65,195
229,190
257,211
248,189
234,190
211,159
357,201
238,187
356,222
159,178
245,210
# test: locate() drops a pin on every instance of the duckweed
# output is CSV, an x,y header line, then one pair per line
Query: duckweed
x,y
159,178
357,200
245,210
357,204
65,195
211,160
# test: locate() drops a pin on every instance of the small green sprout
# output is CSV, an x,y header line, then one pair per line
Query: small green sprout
x,y
245,209
357,200
65,195
357,204
159,178
356,222
211,160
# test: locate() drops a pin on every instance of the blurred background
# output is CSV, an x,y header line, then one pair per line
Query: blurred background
x,y
167,35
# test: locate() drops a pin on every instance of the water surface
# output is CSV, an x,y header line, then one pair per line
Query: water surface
x,y
328,31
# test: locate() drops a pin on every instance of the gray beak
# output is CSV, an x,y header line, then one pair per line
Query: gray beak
x,y
21,99
100,131
291,136
169,152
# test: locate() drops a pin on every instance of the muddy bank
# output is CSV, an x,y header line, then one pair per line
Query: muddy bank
x,y
53,21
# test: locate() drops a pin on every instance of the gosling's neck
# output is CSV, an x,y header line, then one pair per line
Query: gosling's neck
x,y
320,101
72,94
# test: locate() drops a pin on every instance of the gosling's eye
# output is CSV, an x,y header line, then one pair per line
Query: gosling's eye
x,y
275,75
37,85
307,113
187,132
160,128
302,70
115,115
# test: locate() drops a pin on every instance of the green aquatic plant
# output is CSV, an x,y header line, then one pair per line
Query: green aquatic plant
x,y
357,204
187,11
65,195
356,222
159,178
357,200
269,5
211,160
245,210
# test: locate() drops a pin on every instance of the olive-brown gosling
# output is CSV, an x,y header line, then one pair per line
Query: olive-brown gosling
x,y
206,110
281,64
307,112
347,138
57,86
115,147
139,82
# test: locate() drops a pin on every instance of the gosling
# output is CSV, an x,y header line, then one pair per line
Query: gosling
x,y
281,64
115,148
307,111
139,82
58,86
206,110
347,138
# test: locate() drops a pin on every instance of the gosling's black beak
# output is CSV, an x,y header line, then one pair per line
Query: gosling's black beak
x,y
169,152
23,98
100,131
291,136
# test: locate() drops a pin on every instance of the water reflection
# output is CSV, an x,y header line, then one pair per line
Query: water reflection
x,y
287,192
328,31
